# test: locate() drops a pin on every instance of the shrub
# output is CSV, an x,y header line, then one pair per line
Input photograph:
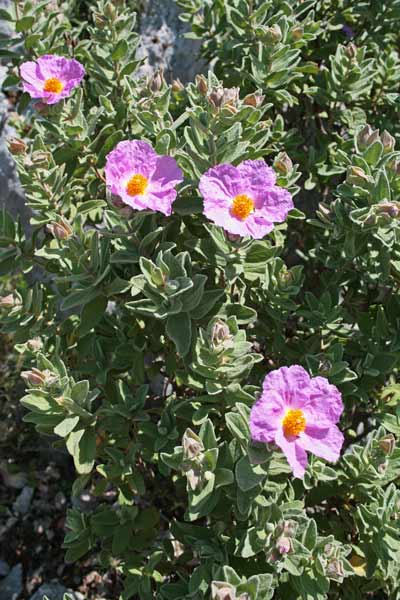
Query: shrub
x,y
147,335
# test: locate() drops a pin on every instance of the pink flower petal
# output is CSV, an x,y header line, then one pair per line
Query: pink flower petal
x,y
325,399
265,417
295,454
325,442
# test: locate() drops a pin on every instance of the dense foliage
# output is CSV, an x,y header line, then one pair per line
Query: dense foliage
x,y
146,337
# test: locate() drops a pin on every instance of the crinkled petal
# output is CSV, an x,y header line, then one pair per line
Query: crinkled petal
x,y
129,157
277,202
30,72
161,202
256,173
266,415
167,174
325,399
220,185
325,442
290,382
295,454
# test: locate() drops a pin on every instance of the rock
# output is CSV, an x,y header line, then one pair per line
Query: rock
x,y
162,42
23,501
4,568
54,591
11,586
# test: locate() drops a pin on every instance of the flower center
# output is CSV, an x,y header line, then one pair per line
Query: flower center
x,y
294,422
136,185
53,85
242,206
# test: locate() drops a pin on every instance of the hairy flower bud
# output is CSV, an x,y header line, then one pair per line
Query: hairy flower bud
x,y
99,20
284,545
40,158
221,336
283,163
387,444
334,569
34,377
287,528
297,32
391,209
388,141
35,344
157,81
202,85
109,11
16,146
192,445
220,97
177,85
61,230
356,176
351,51
254,99
221,590
273,34
9,301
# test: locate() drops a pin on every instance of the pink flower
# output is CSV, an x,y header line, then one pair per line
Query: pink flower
x,y
299,414
51,77
244,200
142,178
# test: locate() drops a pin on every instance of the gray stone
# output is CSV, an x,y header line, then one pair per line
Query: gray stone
x,y
23,501
4,568
54,591
162,43
11,586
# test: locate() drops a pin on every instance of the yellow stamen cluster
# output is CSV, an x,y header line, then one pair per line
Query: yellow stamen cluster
x,y
242,206
294,422
53,85
136,185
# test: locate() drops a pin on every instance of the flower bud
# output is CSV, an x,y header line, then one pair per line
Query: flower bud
x,y
351,51
221,590
324,366
202,85
193,477
253,100
99,20
109,11
34,377
297,32
273,34
356,176
287,528
177,86
9,301
284,545
40,158
61,230
16,146
392,209
334,569
157,81
283,163
192,445
363,138
35,344
221,335
388,141
387,444
215,97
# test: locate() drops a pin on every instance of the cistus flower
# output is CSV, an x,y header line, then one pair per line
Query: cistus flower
x,y
299,414
244,200
51,78
142,178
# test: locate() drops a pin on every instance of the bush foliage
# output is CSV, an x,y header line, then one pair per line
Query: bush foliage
x,y
146,338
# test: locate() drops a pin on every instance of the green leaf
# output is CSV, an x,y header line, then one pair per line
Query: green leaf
x,y
245,475
179,329
92,313
24,24
120,50
66,426
81,445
